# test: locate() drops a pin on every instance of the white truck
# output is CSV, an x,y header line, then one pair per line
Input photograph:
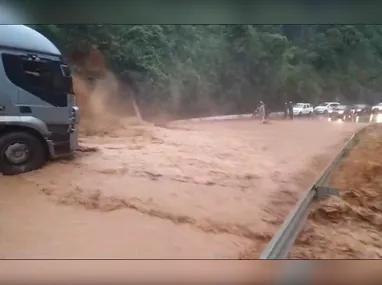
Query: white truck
x,y
301,109
38,115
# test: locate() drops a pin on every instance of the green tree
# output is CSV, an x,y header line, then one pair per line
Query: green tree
x,y
182,67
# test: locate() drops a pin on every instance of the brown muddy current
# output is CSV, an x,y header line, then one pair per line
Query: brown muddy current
x,y
188,190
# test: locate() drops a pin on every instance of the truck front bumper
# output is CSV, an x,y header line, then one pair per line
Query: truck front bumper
x,y
74,139
63,147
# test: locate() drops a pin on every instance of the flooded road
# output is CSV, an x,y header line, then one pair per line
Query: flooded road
x,y
192,190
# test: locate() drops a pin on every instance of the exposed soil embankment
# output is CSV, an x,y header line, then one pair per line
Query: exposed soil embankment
x,y
349,226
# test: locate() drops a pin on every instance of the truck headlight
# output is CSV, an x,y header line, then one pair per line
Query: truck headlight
x,y
75,115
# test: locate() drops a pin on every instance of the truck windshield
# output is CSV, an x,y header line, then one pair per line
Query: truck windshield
x,y
47,74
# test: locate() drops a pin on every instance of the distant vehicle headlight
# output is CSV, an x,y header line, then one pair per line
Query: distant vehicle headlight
x,y
330,111
340,112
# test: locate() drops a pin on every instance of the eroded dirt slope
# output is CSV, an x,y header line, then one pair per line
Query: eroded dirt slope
x,y
348,227
205,190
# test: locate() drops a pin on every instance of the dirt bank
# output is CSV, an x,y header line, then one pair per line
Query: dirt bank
x,y
349,227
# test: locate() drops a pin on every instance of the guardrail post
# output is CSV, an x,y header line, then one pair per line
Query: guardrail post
x,y
323,192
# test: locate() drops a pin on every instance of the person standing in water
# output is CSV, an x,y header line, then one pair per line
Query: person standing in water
x,y
290,109
285,110
261,109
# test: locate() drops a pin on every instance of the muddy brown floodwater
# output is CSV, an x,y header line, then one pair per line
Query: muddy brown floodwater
x,y
349,226
190,190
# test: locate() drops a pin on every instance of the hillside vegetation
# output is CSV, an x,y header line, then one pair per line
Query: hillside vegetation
x,y
205,69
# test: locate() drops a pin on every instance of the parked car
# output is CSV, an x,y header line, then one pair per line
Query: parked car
x,y
326,107
377,108
361,109
342,112
301,109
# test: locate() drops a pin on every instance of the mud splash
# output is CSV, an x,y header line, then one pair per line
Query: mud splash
x,y
348,227
102,112
106,103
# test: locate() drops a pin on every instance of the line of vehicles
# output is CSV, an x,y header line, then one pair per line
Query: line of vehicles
x,y
336,110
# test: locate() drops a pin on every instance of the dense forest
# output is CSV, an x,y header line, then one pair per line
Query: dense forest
x,y
192,69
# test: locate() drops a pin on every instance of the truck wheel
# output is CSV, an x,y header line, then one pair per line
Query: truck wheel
x,y
20,152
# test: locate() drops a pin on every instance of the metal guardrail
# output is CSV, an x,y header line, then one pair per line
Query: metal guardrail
x,y
281,244
226,117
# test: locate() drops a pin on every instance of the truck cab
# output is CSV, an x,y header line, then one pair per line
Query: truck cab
x,y
38,115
